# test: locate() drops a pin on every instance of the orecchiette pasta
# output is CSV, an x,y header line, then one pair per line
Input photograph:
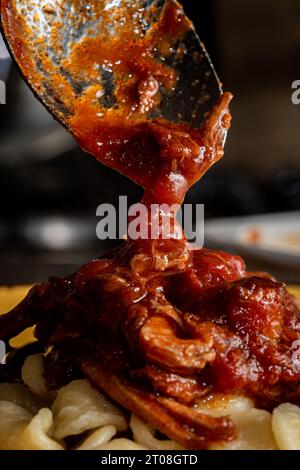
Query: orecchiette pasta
x,y
286,426
145,436
98,438
20,430
22,396
122,444
13,421
254,431
253,425
38,433
225,406
78,408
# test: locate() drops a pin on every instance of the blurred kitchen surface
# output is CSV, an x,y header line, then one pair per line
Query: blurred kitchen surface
x,y
50,189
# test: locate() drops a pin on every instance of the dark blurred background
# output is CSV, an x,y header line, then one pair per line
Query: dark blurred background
x,y
49,189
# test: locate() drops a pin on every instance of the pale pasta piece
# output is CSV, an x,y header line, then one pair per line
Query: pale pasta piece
x,y
254,432
122,444
33,375
98,438
20,431
286,426
78,408
144,434
22,396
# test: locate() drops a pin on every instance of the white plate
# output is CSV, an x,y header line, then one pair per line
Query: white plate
x,y
275,237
